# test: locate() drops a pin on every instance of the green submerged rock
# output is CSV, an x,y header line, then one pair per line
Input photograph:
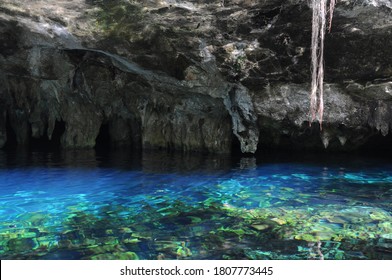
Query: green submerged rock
x,y
116,256
22,245
183,251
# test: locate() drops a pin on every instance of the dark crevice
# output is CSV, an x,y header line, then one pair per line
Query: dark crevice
x,y
44,143
58,132
263,18
235,146
11,136
378,144
103,140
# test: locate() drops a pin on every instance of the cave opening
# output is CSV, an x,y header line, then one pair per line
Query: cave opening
x,y
235,146
44,143
378,144
11,142
103,140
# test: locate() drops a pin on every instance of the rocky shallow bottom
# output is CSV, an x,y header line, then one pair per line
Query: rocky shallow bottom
x,y
278,210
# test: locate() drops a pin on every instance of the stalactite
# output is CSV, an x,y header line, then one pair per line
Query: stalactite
x,y
317,57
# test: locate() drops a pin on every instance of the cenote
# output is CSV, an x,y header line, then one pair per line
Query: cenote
x,y
154,205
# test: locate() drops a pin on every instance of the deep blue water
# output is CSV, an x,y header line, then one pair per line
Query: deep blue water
x,y
118,205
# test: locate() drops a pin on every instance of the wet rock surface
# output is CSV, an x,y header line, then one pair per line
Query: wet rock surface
x,y
191,75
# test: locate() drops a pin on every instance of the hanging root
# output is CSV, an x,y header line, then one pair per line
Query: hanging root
x,y
314,65
317,57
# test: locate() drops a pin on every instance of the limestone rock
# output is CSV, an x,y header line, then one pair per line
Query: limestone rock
x,y
192,75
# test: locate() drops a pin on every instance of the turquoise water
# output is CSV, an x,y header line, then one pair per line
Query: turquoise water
x,y
84,205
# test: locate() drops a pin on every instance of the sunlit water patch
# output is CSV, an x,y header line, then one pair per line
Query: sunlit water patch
x,y
83,206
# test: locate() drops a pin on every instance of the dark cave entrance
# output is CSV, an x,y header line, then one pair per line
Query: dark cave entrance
x,y
44,143
378,144
103,140
11,142
235,146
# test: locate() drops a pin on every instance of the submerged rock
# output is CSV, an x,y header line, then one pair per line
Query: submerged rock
x,y
116,256
22,244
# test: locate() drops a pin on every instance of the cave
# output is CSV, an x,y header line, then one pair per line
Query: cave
x,y
192,130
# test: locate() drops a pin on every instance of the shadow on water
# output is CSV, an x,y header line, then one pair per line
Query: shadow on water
x,y
127,159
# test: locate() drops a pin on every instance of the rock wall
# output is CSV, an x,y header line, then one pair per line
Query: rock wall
x,y
192,75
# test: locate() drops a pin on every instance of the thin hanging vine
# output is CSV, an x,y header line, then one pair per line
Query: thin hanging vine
x,y
317,56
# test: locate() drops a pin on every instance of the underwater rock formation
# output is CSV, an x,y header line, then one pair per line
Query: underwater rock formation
x,y
191,75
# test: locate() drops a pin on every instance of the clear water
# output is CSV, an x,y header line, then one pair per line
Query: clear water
x,y
85,205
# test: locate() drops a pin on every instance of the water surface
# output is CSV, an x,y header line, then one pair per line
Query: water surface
x,y
120,205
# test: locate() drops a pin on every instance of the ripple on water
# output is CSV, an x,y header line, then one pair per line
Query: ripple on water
x,y
83,210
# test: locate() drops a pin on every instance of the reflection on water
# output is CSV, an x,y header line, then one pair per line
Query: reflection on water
x,y
121,205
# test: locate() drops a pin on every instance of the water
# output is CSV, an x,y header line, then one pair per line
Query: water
x,y
119,205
